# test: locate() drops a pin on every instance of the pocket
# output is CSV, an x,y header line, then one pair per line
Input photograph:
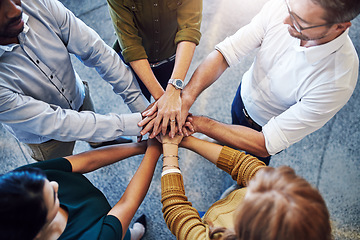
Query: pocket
x,y
134,6
173,4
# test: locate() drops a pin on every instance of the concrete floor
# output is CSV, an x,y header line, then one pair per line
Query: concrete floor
x,y
328,158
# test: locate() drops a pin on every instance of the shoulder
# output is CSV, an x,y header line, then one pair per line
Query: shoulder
x,y
60,164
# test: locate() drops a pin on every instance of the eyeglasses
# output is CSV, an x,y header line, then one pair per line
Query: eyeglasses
x,y
297,25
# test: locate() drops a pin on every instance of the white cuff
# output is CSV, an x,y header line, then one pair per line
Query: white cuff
x,y
172,170
275,140
130,124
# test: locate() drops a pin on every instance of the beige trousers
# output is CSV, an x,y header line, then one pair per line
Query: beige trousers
x,y
54,148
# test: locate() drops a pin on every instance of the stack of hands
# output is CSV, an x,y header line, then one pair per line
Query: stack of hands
x,y
174,121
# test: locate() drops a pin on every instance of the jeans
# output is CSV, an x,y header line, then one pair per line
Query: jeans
x,y
239,118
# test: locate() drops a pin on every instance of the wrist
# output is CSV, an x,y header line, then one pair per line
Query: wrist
x,y
186,141
170,161
199,123
177,83
169,152
186,100
158,96
170,89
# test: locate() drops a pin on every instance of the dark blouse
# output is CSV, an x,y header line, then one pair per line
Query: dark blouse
x,y
86,205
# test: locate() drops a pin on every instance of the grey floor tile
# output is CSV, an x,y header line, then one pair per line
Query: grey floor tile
x,y
328,158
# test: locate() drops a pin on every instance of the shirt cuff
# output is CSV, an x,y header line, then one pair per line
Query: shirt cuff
x,y
190,35
134,53
226,159
275,139
130,124
172,183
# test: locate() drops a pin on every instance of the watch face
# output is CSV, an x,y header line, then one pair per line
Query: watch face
x,y
179,83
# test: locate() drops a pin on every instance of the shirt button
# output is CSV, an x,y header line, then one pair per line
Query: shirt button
x,y
62,89
155,4
156,20
70,101
51,76
133,8
37,61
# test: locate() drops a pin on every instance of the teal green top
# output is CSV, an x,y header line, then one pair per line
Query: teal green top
x,y
86,205
152,29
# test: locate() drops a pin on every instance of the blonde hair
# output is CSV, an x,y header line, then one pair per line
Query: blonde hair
x,y
280,205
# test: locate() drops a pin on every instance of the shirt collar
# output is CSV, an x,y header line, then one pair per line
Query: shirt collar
x,y
316,53
10,47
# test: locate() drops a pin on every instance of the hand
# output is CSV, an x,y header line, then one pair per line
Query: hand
x,y
172,140
168,111
188,128
149,125
147,120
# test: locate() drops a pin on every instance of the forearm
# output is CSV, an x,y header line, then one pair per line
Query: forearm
x,y
206,74
170,156
135,192
184,54
241,166
208,150
143,70
237,136
31,116
177,208
92,160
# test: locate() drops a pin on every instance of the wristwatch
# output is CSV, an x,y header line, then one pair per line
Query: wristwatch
x,y
177,83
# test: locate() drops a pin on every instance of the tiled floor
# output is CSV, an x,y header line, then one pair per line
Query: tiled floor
x,y
328,158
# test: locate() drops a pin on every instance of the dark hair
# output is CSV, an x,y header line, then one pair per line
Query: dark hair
x,y
280,205
339,11
22,208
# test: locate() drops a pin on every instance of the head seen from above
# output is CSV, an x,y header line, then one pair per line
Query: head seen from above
x,y
281,205
28,201
320,21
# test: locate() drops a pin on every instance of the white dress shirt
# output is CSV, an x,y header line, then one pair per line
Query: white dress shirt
x,y
40,92
290,90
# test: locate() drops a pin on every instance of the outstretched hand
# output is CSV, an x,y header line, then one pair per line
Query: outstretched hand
x,y
168,112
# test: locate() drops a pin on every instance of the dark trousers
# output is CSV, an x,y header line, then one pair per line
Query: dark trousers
x,y
239,118
162,74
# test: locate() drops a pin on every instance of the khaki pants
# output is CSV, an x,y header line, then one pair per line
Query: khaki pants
x,y
56,149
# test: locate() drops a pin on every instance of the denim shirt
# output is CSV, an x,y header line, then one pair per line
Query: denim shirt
x,y
40,91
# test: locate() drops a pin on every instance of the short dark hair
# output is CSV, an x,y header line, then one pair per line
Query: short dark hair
x,y
339,11
22,208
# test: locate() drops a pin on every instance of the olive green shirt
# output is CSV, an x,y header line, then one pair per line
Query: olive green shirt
x,y
152,29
